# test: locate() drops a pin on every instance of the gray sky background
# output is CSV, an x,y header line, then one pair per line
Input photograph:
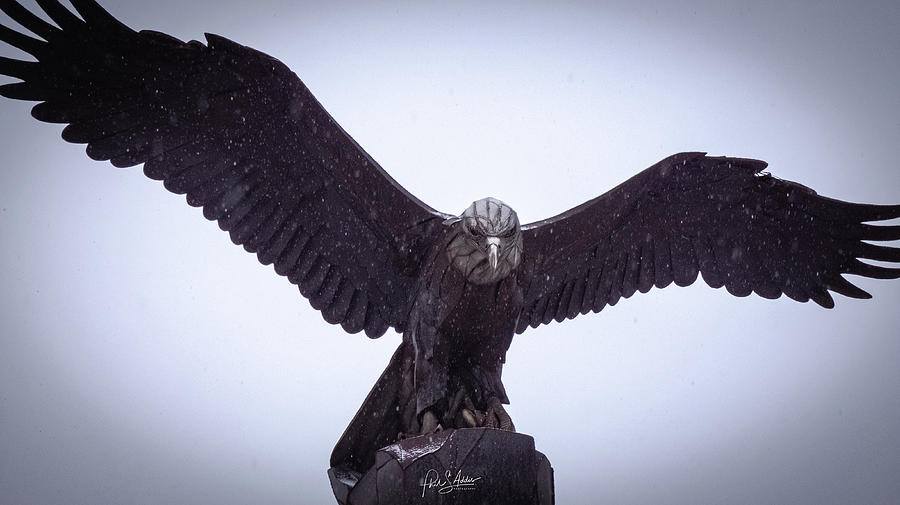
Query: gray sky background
x,y
145,359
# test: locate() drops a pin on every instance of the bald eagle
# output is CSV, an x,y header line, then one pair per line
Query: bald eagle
x,y
242,137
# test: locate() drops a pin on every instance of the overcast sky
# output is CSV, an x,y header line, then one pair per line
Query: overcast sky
x,y
145,359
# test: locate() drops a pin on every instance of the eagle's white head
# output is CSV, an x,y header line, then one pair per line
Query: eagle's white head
x,y
487,245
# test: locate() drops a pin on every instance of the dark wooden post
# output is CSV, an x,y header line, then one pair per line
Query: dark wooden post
x,y
462,466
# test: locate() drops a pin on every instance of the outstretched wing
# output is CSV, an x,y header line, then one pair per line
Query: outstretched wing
x,y
688,214
239,134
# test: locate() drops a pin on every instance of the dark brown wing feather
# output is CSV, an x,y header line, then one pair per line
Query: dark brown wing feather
x,y
719,217
239,134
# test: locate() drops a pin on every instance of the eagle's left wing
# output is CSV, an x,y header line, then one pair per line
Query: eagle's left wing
x,y
237,132
720,217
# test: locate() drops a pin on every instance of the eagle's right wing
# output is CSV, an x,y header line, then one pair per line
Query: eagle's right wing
x,y
689,214
239,134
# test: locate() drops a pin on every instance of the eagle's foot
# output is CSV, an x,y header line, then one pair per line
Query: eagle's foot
x,y
497,417
494,417
430,423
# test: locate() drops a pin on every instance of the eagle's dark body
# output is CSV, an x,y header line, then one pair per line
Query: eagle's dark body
x,y
456,339
242,137
460,326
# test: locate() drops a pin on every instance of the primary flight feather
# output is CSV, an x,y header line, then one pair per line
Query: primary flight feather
x,y
242,137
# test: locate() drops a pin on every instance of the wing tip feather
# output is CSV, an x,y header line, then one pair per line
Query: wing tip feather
x,y
823,298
